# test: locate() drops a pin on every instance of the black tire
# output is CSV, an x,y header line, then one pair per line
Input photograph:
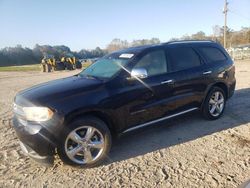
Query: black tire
x,y
88,121
78,65
206,106
60,66
68,66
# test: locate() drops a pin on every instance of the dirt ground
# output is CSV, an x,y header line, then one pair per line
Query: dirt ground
x,y
186,152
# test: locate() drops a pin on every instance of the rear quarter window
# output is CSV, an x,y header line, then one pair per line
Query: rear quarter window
x,y
212,54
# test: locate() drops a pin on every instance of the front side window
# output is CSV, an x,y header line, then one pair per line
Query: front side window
x,y
154,63
106,67
182,58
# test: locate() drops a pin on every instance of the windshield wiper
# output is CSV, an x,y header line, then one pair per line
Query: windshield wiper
x,y
90,76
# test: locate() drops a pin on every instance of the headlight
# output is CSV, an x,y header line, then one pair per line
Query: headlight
x,y
37,113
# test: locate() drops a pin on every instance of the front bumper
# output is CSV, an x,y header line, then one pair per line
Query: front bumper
x,y
36,141
45,160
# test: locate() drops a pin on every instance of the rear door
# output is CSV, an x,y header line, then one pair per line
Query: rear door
x,y
187,69
216,61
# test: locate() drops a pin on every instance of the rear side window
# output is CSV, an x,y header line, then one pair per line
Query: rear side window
x,y
182,58
212,54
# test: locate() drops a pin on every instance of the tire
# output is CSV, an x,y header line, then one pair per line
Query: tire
x,y
209,111
78,65
85,149
60,66
68,66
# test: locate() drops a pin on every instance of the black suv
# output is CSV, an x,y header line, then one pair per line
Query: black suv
x,y
76,117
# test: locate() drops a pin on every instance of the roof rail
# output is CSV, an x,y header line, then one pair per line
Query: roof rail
x,y
187,41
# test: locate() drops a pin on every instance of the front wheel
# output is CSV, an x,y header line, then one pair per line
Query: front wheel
x,y
214,104
86,142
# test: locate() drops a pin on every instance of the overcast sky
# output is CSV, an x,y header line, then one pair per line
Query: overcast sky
x,y
89,23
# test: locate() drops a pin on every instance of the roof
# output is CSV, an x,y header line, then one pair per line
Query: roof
x,y
138,49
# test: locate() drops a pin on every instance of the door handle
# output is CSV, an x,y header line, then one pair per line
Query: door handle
x,y
167,82
207,72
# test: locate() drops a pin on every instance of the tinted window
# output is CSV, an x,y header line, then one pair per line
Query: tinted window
x,y
182,58
212,54
154,62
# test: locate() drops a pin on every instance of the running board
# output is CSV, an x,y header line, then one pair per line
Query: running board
x,y
158,120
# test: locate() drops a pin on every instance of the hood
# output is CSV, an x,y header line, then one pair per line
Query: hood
x,y
56,90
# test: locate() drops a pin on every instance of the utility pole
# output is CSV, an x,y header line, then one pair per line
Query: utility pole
x,y
225,23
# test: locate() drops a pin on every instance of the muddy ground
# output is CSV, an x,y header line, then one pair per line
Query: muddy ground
x,y
186,152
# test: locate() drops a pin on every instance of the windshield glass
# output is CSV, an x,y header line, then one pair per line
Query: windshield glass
x,y
105,68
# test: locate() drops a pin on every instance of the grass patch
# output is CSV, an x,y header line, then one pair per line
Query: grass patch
x,y
86,64
21,68
36,67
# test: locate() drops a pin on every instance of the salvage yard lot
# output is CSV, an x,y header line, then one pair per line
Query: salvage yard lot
x,y
186,152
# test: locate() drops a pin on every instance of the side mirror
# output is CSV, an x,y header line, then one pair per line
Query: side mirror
x,y
139,73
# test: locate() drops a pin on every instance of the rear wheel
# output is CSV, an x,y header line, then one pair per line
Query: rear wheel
x,y
86,142
214,104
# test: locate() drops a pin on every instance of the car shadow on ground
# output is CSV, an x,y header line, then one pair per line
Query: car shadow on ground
x,y
181,129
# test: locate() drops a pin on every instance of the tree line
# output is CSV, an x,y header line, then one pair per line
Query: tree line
x,y
234,38
24,56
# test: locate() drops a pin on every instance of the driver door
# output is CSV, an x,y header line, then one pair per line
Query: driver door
x,y
149,96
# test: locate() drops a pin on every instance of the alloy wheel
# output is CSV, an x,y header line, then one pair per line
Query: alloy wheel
x,y
216,103
84,144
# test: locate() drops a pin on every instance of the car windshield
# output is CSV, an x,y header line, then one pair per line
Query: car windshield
x,y
105,68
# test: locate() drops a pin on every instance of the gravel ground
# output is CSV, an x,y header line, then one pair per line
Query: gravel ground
x,y
186,152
